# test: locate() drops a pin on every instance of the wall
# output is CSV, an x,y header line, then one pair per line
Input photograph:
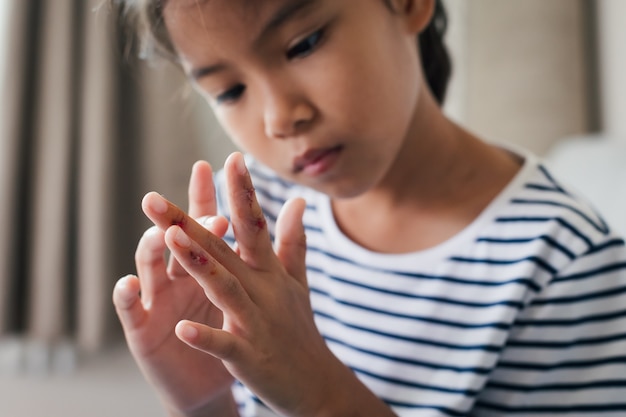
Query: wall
x,y
612,54
521,73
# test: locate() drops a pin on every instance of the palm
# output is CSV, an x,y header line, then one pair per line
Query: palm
x,y
190,377
185,377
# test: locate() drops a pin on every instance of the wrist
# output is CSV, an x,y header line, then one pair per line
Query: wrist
x,y
222,406
347,396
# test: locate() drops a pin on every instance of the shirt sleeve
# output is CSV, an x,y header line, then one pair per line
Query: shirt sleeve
x,y
566,353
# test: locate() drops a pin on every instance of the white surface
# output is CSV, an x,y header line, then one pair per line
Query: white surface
x,y
595,166
107,386
611,36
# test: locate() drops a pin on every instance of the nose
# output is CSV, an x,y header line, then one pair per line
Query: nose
x,y
287,113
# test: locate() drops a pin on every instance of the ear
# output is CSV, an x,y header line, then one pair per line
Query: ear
x,y
416,13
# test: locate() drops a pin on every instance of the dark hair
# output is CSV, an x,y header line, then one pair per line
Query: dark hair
x,y
145,19
434,54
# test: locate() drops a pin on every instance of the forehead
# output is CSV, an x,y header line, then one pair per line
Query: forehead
x,y
221,14
222,26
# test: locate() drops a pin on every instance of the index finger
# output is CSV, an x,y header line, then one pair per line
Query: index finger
x,y
165,214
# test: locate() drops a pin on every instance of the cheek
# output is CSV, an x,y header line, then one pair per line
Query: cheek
x,y
365,88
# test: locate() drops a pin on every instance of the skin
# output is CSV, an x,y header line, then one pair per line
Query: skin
x,y
337,78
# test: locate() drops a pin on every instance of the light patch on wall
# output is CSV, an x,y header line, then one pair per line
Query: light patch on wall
x,y
4,38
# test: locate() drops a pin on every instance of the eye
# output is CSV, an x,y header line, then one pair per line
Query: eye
x,y
305,46
231,95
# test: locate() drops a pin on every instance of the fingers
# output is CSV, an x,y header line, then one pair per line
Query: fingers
x,y
248,221
150,263
291,239
202,191
219,343
202,202
218,225
128,302
221,287
164,214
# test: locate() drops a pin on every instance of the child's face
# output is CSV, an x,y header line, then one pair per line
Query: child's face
x,y
322,91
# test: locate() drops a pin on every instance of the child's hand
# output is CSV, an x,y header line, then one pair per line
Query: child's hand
x,y
268,338
186,379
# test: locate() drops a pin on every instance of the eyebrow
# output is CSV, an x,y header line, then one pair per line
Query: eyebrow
x,y
198,73
282,16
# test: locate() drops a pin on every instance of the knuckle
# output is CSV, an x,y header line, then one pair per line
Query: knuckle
x,y
179,219
230,288
228,350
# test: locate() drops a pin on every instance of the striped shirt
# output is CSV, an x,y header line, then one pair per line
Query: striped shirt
x,y
522,313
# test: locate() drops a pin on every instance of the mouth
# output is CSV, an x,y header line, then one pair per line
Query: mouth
x,y
316,161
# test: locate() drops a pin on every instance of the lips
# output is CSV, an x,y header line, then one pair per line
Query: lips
x,y
315,161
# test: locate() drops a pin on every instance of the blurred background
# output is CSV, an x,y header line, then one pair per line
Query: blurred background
x,y
86,129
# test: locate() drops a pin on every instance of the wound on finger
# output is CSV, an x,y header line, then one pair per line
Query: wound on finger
x,y
198,258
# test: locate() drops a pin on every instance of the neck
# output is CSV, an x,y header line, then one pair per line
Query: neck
x,y
441,180
432,156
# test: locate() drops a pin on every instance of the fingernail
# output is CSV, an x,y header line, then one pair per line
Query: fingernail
x,y
182,239
189,332
159,204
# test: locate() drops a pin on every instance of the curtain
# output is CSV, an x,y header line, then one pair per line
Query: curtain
x,y
81,135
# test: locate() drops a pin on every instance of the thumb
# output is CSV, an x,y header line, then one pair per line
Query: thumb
x,y
290,238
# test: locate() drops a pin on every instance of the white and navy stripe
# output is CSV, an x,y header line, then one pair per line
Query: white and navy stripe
x,y
523,313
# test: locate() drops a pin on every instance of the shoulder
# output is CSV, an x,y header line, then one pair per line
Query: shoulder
x,y
543,201
576,241
544,230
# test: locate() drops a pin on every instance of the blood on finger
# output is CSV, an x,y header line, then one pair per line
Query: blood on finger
x,y
260,223
198,258
250,196
179,223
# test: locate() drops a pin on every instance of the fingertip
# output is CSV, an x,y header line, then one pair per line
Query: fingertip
x,y
218,343
146,198
200,172
175,236
290,216
126,292
237,161
150,247
290,239
218,225
154,202
298,204
127,301
186,331
200,165
151,232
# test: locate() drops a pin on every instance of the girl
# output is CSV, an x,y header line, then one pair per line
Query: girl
x,y
443,275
